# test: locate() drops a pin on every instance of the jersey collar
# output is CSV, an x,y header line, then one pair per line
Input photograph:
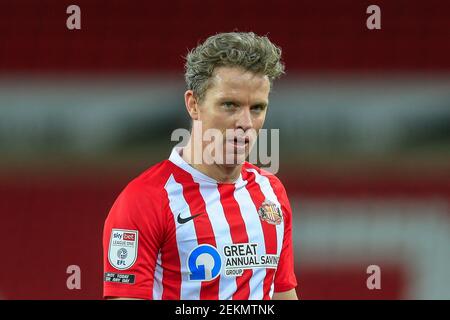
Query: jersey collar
x,y
175,158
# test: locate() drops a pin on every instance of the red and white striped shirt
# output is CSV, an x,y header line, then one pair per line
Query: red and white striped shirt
x,y
175,233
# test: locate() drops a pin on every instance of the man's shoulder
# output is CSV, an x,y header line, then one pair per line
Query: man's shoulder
x,y
157,174
151,181
274,180
142,199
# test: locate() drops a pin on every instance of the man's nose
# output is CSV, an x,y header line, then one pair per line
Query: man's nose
x,y
244,120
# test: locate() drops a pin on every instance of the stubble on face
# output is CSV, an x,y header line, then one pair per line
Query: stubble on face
x,y
235,105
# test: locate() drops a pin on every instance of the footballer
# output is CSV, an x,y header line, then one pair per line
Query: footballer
x,y
211,229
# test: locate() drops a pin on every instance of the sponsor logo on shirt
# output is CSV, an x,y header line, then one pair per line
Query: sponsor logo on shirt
x,y
242,256
181,220
204,263
123,248
129,236
270,213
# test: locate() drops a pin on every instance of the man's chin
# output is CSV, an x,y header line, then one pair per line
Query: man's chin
x,y
235,159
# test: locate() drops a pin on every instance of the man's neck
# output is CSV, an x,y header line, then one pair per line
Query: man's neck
x,y
220,173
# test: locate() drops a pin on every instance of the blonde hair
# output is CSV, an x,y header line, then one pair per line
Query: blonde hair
x,y
235,49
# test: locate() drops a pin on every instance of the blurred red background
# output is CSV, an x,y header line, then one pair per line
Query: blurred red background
x,y
53,218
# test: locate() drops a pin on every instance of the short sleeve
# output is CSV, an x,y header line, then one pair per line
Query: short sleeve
x,y
285,278
132,236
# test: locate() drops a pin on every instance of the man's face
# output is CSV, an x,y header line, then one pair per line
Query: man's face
x,y
235,104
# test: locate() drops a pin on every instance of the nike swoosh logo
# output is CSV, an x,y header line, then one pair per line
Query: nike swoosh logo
x,y
181,220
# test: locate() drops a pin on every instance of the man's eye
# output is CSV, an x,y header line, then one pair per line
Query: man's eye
x,y
258,108
229,105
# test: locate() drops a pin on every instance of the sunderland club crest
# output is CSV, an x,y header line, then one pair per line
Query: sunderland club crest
x,y
270,212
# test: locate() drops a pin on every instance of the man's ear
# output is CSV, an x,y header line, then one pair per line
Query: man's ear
x,y
191,104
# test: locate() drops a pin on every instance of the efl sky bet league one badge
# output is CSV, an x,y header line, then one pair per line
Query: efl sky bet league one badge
x,y
123,247
270,212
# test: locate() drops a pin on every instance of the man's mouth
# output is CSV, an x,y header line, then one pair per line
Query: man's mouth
x,y
240,141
